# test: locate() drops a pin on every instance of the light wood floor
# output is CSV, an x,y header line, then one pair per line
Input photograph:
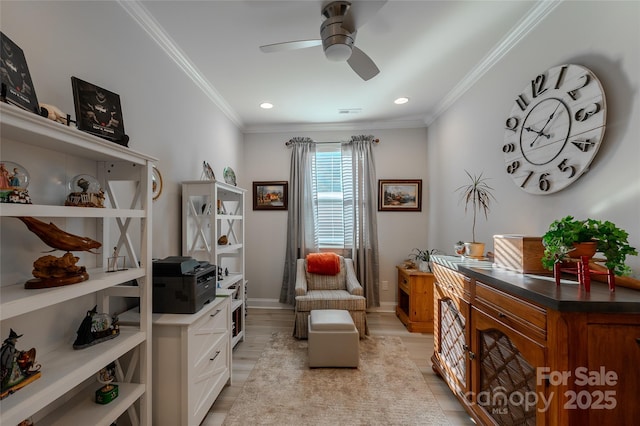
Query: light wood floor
x,y
261,323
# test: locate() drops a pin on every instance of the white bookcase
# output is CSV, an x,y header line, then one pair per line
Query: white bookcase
x,y
48,318
210,210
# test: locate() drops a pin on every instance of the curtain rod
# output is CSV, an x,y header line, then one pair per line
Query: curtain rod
x,y
288,143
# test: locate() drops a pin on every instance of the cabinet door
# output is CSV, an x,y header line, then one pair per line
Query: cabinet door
x,y
612,349
450,339
504,362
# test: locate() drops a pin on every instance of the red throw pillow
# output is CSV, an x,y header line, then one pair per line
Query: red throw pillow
x,y
323,263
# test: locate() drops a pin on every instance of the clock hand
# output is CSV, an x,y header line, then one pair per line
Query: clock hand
x,y
541,132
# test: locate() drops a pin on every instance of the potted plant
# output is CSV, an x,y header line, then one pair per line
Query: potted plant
x,y
423,257
477,195
605,237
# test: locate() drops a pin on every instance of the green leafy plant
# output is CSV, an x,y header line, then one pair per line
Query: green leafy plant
x,y
419,255
423,255
477,195
610,240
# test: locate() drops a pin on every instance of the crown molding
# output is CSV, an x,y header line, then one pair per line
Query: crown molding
x,y
504,46
145,20
158,34
351,126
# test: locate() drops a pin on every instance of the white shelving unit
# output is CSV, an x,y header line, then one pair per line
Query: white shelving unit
x,y
64,394
211,209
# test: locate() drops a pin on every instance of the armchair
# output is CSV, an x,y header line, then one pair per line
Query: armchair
x,y
340,291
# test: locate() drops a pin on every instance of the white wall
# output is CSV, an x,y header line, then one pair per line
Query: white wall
x,y
164,113
604,37
401,154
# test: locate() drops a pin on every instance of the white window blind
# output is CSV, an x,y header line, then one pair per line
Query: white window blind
x,y
334,195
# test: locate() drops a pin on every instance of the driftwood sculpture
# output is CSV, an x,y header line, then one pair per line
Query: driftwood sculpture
x,y
51,271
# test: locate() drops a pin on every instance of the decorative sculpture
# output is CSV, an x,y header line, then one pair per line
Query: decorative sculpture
x,y
51,271
18,368
96,328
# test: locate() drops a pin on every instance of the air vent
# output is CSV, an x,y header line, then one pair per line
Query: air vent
x,y
350,111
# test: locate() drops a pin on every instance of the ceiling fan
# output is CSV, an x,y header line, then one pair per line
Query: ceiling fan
x,y
342,19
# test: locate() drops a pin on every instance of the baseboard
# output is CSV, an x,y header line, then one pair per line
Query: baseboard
x,y
275,304
267,304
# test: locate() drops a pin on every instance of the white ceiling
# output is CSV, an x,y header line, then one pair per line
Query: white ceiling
x,y
428,51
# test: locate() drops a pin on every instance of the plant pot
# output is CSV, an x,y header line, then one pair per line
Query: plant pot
x,y
423,266
583,249
474,250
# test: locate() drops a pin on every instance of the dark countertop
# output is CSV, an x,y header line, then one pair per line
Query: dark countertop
x,y
542,290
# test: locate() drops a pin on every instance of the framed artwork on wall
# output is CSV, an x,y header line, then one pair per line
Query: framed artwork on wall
x,y
400,195
270,195
98,111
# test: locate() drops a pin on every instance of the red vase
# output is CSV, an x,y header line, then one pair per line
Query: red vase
x,y
583,249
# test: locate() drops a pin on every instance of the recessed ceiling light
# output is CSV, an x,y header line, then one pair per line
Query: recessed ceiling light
x,y
266,105
401,101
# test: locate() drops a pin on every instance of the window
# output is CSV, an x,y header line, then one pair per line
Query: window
x,y
334,195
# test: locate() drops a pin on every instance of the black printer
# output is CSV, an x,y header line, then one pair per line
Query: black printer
x,y
182,285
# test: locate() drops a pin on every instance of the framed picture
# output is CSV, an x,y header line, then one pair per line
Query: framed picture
x,y
400,195
98,111
17,87
270,195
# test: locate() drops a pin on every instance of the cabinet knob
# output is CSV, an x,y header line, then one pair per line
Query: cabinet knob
x,y
404,281
472,355
501,315
465,347
215,356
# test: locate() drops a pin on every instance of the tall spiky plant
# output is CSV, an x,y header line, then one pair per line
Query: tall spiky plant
x,y
477,195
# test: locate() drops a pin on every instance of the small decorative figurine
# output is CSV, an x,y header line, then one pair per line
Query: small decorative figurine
x,y
109,391
96,328
18,368
115,262
226,272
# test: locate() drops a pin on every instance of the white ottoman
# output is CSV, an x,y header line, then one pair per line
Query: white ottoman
x,y
334,340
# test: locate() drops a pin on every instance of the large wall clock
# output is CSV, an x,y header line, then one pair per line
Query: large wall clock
x,y
554,129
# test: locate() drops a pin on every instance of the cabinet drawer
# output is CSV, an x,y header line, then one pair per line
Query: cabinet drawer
x,y
511,310
210,375
450,282
404,282
206,331
216,319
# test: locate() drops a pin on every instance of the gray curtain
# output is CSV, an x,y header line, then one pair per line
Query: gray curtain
x,y
301,221
365,229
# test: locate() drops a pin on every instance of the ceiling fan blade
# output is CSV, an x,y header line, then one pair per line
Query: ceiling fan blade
x,y
360,13
362,64
290,45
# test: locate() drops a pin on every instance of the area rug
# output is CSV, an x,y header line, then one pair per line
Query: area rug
x,y
386,389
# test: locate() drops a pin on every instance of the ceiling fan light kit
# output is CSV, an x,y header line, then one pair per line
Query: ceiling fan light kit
x,y
338,33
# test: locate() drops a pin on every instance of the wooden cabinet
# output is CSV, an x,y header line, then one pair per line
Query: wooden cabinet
x,y
451,329
48,318
211,210
415,300
192,354
516,349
